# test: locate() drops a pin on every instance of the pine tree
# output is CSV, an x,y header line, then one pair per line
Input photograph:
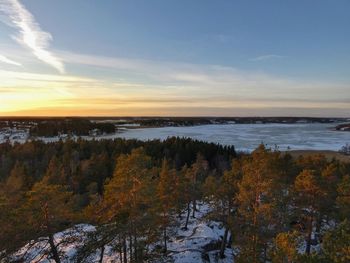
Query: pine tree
x,y
285,248
256,206
55,173
184,194
309,195
17,183
336,243
220,193
343,199
166,191
328,181
10,220
47,209
12,195
196,175
127,201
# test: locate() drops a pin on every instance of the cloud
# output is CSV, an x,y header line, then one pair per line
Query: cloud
x,y
199,80
123,86
30,34
15,76
266,57
9,61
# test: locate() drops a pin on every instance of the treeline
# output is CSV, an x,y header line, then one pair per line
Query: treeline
x,y
273,208
78,127
34,157
192,121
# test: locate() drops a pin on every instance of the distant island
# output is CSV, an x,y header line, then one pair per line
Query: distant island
x,y
343,127
137,122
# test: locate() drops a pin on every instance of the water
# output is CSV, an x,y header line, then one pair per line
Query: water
x,y
246,137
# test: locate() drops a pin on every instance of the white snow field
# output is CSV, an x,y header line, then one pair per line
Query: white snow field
x,y
246,137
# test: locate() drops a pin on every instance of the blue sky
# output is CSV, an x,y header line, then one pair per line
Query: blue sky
x,y
161,57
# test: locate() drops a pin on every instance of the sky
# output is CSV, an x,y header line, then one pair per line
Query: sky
x,y
175,58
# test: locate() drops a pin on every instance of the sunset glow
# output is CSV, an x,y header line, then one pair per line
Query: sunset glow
x,y
45,71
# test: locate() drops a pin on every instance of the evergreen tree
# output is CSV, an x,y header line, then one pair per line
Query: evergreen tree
x,y
128,198
285,249
55,172
47,209
336,244
343,199
196,175
221,193
256,206
17,183
184,194
329,179
309,195
166,191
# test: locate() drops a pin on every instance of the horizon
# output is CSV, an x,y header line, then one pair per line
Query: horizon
x,y
174,59
163,117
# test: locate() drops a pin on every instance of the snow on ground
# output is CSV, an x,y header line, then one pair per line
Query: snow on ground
x,y
35,251
187,246
14,135
184,246
197,244
69,241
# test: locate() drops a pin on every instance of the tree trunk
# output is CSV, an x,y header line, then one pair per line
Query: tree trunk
x,y
229,243
308,238
255,245
121,252
136,255
318,224
188,215
53,248
125,251
165,243
130,248
102,253
194,208
265,253
223,244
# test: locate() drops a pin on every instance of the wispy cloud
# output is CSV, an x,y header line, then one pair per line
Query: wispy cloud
x,y
124,86
9,61
30,34
266,57
199,80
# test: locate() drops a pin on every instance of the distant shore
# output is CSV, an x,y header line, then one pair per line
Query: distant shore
x,y
343,127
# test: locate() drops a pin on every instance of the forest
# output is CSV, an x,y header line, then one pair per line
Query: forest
x,y
79,127
272,207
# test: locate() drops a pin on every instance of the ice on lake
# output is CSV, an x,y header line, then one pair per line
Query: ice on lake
x,y
246,137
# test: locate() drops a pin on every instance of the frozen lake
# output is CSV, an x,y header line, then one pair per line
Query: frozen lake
x,y
247,137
